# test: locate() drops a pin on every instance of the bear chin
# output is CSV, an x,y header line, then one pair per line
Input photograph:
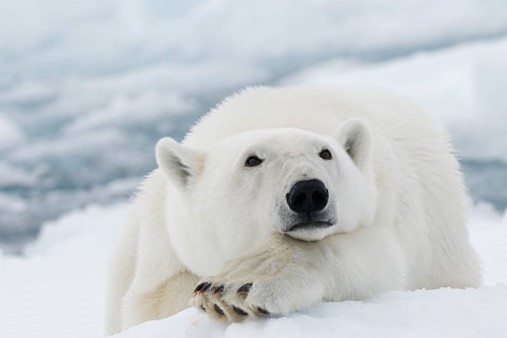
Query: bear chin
x,y
308,235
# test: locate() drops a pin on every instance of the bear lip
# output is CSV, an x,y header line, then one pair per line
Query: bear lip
x,y
307,225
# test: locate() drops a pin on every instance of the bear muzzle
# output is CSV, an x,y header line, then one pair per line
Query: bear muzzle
x,y
308,200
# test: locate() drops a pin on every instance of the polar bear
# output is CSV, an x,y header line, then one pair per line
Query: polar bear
x,y
280,198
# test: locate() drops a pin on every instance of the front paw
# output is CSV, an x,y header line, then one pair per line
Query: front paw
x,y
231,301
278,280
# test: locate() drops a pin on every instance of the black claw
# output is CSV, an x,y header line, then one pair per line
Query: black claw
x,y
245,288
218,310
218,289
263,311
202,287
239,311
199,287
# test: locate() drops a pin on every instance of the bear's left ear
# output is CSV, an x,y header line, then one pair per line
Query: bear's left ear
x,y
178,162
354,136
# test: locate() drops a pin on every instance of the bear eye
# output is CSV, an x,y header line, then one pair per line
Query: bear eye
x,y
325,154
253,161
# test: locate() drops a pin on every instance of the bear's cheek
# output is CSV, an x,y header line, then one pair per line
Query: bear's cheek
x,y
205,242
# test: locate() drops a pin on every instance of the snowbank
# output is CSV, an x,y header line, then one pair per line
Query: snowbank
x,y
445,313
57,291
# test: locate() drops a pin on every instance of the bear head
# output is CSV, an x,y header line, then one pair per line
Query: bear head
x,y
242,189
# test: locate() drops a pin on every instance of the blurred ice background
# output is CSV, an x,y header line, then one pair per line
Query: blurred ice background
x,y
87,87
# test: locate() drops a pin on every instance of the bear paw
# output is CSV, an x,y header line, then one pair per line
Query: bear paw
x,y
231,302
250,287
279,280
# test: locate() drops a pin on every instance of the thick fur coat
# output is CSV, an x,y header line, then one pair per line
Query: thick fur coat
x,y
280,198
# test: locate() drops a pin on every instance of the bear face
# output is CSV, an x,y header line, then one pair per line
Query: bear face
x,y
252,184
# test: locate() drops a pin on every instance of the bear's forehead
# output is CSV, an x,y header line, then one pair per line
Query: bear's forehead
x,y
281,139
278,134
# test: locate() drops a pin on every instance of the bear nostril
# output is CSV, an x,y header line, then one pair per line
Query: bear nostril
x,y
319,199
299,199
307,196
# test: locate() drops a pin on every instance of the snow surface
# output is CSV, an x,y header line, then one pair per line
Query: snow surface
x,y
57,291
442,313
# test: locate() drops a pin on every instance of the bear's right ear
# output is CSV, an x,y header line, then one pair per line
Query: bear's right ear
x,y
178,162
354,136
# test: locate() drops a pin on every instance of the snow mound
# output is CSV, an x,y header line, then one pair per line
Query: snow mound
x,y
424,313
58,290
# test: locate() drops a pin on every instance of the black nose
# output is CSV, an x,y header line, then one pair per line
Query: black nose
x,y
307,196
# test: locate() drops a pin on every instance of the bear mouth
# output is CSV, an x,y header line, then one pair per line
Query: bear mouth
x,y
308,225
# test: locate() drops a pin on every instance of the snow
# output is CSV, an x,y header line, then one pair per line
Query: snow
x,y
57,290
424,313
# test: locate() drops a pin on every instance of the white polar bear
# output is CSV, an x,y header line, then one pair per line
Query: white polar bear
x,y
280,198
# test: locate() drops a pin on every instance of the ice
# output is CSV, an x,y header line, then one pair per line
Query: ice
x,y
10,134
117,75
123,111
57,290
143,30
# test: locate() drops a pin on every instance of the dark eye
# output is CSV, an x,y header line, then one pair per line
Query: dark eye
x,y
325,154
252,161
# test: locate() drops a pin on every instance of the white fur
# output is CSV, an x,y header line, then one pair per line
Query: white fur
x,y
394,187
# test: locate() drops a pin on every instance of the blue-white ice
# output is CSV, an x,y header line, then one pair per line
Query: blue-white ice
x,y
86,88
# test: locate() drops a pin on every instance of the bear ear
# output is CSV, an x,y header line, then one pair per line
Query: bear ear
x,y
354,136
178,162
